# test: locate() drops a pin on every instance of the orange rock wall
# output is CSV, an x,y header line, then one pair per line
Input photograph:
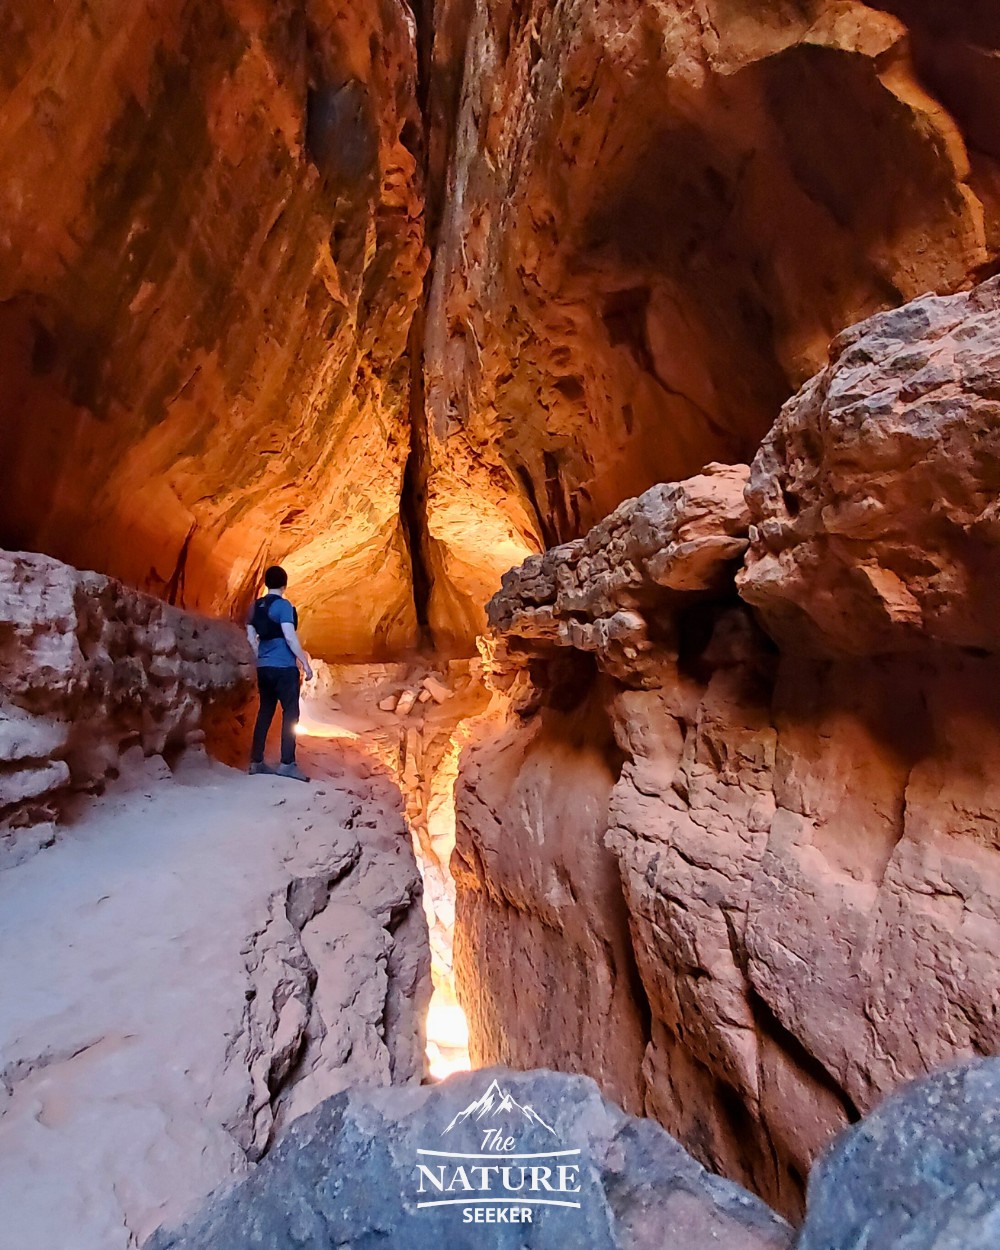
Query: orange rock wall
x,y
657,217
649,220
739,859
210,253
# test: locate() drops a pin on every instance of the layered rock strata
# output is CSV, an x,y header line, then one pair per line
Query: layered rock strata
x,y
750,887
208,955
212,248
634,1186
90,669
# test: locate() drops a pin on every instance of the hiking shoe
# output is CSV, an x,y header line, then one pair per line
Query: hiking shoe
x,y
293,771
261,770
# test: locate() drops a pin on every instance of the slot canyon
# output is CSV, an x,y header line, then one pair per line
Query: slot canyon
x,y
618,384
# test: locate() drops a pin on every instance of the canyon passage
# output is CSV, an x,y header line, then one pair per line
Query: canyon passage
x,y
618,383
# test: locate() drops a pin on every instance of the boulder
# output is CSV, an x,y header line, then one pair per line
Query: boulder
x,y
675,541
922,1172
874,499
347,1175
742,857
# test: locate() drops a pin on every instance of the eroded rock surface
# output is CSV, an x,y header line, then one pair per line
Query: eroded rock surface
x,y
874,498
212,248
657,217
90,668
346,1175
783,860
409,717
649,220
208,954
591,594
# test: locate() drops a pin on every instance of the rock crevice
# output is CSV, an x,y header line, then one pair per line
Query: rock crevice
x,y
221,331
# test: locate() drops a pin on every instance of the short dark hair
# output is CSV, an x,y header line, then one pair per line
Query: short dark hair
x,y
275,578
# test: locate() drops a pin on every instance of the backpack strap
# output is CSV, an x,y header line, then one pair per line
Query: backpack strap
x,y
264,625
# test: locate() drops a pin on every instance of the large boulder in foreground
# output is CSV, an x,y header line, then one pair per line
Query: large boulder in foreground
x,y
347,1174
921,1173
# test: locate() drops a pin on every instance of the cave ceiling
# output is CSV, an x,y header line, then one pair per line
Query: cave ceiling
x,y
396,297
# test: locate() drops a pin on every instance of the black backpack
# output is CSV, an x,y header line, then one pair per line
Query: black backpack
x,y
266,629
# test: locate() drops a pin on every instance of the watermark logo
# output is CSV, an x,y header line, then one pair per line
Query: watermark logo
x,y
501,1180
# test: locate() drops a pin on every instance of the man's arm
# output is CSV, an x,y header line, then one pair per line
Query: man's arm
x,y
252,638
292,638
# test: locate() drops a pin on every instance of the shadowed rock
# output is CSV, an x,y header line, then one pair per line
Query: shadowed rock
x,y
922,1172
347,1175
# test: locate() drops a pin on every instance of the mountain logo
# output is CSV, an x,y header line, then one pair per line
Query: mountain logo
x,y
497,1101
500,1169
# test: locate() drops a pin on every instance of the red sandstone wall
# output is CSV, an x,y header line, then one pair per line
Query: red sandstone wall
x,y
802,817
657,217
211,250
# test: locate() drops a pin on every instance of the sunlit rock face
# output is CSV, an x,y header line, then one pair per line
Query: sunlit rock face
x,y
648,223
211,250
91,670
775,825
657,217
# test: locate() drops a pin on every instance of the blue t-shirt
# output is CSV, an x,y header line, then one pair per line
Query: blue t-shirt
x,y
275,652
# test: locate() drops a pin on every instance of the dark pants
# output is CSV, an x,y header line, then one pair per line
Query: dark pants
x,y
276,685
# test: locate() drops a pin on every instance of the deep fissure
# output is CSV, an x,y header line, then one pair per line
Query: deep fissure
x,y
401,297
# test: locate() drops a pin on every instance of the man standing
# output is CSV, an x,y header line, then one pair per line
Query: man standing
x,y
271,630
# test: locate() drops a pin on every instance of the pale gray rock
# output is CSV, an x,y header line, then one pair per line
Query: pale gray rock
x,y
199,959
90,668
922,1172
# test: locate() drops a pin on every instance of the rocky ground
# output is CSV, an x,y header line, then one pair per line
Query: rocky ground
x,y
200,956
